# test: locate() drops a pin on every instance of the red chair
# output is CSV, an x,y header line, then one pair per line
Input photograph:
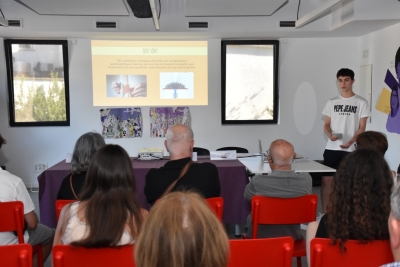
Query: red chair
x,y
60,204
16,255
68,256
217,205
14,212
261,252
371,254
269,210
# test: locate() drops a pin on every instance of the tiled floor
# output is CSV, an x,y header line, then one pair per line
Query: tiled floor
x,y
230,228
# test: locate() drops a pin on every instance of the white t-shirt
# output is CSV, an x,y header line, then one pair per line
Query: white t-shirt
x,y
13,189
345,114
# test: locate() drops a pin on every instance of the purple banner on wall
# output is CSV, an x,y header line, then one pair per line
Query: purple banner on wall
x,y
163,118
121,122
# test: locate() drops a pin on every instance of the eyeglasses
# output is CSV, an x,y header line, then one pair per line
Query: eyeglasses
x,y
265,156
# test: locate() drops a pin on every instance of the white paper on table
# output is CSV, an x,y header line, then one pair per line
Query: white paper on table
x,y
68,158
194,156
223,155
301,160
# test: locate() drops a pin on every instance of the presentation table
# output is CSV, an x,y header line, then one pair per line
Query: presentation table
x,y
232,176
301,164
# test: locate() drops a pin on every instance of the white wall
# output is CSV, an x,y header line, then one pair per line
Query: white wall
x,y
382,46
315,61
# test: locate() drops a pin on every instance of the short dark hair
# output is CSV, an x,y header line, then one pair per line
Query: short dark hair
x,y
372,140
397,60
345,72
2,141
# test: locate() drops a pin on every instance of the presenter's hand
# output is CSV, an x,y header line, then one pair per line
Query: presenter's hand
x,y
347,145
333,138
139,90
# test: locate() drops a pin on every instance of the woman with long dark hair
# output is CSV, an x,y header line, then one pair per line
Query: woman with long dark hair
x,y
108,213
359,204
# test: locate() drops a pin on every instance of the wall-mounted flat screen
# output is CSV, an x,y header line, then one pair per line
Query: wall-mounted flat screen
x,y
149,73
249,81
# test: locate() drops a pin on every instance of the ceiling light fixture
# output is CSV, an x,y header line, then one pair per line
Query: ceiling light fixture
x,y
318,12
154,13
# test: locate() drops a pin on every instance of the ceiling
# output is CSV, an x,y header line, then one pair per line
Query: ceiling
x,y
225,18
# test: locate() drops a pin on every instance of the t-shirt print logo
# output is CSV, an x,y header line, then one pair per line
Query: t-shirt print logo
x,y
344,109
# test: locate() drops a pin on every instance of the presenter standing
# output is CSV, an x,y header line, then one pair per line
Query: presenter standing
x,y
345,118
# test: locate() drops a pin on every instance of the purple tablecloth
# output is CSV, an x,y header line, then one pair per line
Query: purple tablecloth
x,y
232,175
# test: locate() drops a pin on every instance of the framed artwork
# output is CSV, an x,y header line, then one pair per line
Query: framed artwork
x,y
249,81
37,79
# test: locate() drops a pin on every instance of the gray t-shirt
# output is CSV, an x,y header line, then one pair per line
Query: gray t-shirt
x,y
283,184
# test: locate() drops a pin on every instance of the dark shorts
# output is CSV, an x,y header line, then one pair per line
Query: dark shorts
x,y
332,158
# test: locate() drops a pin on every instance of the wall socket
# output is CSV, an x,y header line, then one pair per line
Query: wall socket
x,y
40,167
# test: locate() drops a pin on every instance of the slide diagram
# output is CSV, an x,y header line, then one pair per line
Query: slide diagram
x,y
126,85
176,85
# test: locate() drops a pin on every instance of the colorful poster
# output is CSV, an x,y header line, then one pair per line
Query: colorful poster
x,y
393,120
163,118
121,122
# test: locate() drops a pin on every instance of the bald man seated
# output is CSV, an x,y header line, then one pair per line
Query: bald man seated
x,y
282,182
200,177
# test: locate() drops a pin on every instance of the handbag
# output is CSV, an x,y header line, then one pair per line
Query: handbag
x,y
72,188
183,172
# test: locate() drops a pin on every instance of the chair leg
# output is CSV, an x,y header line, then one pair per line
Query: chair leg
x,y
298,261
238,231
38,250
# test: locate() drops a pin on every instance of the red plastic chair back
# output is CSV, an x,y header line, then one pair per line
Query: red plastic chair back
x,y
16,255
14,212
68,256
270,210
261,252
217,205
60,204
371,254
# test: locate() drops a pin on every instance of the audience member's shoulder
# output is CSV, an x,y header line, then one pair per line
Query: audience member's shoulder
x,y
10,177
205,165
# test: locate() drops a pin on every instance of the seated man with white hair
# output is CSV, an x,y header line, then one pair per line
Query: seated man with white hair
x,y
282,182
200,177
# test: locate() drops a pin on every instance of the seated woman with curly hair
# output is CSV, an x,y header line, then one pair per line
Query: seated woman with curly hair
x,y
359,204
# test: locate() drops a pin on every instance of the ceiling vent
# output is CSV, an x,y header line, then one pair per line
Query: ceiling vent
x,y
106,25
287,24
15,23
198,25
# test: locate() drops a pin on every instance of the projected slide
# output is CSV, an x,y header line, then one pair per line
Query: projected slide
x,y
150,73
176,85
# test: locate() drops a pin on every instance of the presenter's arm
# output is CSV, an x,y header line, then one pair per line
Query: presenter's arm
x,y
250,190
328,130
361,129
